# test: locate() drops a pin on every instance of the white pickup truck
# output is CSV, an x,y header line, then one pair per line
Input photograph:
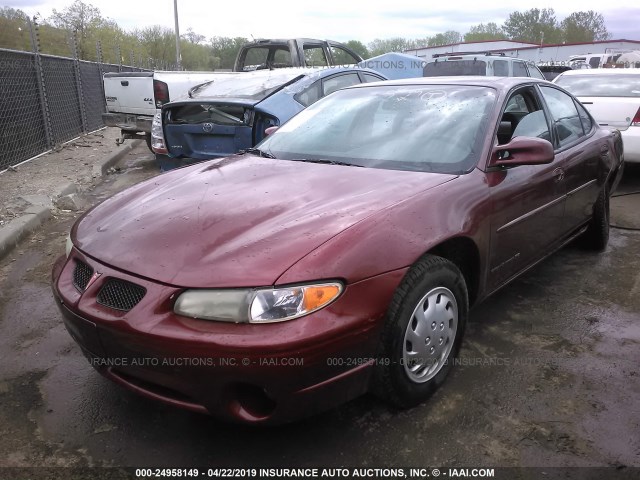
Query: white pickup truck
x,y
133,98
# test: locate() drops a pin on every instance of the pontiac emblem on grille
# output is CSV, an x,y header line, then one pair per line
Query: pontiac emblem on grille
x,y
93,279
207,127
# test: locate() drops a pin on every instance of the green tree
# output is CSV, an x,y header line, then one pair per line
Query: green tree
x,y
584,27
380,46
358,47
447,38
81,18
159,44
225,50
14,29
483,32
533,26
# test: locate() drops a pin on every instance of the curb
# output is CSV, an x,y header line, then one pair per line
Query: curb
x,y
37,213
101,169
20,227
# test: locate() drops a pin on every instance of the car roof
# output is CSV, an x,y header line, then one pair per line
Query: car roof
x,y
603,71
499,83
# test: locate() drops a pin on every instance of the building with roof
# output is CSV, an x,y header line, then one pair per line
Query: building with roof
x,y
543,53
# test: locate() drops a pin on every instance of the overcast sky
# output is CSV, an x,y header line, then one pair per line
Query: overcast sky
x,y
338,19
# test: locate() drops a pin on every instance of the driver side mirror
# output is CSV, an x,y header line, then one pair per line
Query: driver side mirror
x,y
522,151
270,130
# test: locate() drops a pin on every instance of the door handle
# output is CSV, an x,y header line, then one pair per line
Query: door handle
x,y
124,83
558,173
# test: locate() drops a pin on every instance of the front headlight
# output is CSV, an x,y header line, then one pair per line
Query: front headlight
x,y
266,305
69,245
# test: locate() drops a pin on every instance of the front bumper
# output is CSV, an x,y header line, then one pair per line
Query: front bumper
x,y
258,374
129,122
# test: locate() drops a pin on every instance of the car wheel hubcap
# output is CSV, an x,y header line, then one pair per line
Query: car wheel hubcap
x,y
430,335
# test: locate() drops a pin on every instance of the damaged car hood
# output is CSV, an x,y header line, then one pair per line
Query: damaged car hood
x,y
238,221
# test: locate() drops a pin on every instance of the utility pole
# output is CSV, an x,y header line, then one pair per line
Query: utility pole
x,y
178,56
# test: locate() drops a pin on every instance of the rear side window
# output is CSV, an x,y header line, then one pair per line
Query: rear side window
x,y
337,82
445,68
520,69
565,115
310,95
587,123
500,68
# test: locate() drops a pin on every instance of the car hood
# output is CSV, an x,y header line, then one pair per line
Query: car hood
x,y
238,221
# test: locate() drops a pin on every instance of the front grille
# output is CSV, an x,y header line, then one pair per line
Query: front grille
x,y
81,275
120,295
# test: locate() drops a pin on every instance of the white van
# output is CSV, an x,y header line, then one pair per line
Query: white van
x,y
482,63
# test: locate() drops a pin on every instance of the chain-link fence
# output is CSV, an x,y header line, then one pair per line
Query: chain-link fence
x,y
46,100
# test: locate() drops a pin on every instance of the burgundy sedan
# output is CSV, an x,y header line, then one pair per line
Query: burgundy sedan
x,y
342,254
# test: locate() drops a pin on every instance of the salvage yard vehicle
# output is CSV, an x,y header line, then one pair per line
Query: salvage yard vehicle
x,y
232,112
133,98
480,63
341,255
612,96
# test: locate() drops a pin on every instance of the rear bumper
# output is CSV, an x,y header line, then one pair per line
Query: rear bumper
x,y
631,141
125,121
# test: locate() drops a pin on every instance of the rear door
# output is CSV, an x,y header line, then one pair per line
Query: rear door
x,y
577,155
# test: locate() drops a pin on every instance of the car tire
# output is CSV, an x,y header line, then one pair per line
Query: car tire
x,y
416,351
597,235
147,138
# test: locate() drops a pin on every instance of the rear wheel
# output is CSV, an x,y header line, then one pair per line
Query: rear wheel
x,y
422,333
597,235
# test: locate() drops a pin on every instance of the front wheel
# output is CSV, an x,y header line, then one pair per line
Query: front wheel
x,y
422,332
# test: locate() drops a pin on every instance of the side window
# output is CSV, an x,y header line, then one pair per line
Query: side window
x,y
587,123
368,78
310,94
535,72
314,56
520,69
594,62
500,68
337,82
341,56
564,114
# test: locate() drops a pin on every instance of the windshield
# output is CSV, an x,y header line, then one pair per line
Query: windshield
x,y
251,85
601,85
446,68
429,128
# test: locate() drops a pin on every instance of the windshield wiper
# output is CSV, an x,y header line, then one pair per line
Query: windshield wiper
x,y
326,161
258,152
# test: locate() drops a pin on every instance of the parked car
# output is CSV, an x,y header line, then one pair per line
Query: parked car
x,y
342,254
231,113
480,63
612,96
133,98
